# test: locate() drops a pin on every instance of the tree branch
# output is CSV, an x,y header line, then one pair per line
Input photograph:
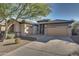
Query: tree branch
x,y
20,11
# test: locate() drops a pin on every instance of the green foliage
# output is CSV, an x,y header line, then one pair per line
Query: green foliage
x,y
74,27
40,9
31,10
75,24
26,10
10,35
4,10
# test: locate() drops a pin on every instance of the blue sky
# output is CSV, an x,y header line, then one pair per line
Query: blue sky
x,y
66,11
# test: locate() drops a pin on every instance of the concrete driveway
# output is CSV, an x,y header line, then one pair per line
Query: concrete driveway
x,y
28,50
52,48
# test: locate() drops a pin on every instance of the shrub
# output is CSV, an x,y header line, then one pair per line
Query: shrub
x,y
10,36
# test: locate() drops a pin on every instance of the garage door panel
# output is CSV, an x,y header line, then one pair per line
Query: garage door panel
x,y
56,31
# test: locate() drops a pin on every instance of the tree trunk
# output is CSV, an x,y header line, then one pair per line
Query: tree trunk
x,y
6,31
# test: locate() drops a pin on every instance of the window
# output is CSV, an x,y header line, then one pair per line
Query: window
x,y
2,28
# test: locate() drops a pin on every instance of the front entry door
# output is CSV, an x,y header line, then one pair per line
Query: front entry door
x,y
41,28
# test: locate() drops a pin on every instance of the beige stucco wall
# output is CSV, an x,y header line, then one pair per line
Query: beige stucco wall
x,y
17,28
26,29
57,30
22,30
34,30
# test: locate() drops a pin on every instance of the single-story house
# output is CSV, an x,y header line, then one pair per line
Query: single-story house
x,y
43,27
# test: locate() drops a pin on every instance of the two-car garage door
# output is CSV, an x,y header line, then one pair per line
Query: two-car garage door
x,y
58,30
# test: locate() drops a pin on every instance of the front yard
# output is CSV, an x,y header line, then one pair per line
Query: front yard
x,y
56,45
51,48
7,48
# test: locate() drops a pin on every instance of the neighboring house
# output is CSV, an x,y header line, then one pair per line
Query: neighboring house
x,y
55,27
43,27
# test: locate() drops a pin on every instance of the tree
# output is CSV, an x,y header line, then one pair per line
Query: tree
x,y
24,11
4,13
30,10
74,28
